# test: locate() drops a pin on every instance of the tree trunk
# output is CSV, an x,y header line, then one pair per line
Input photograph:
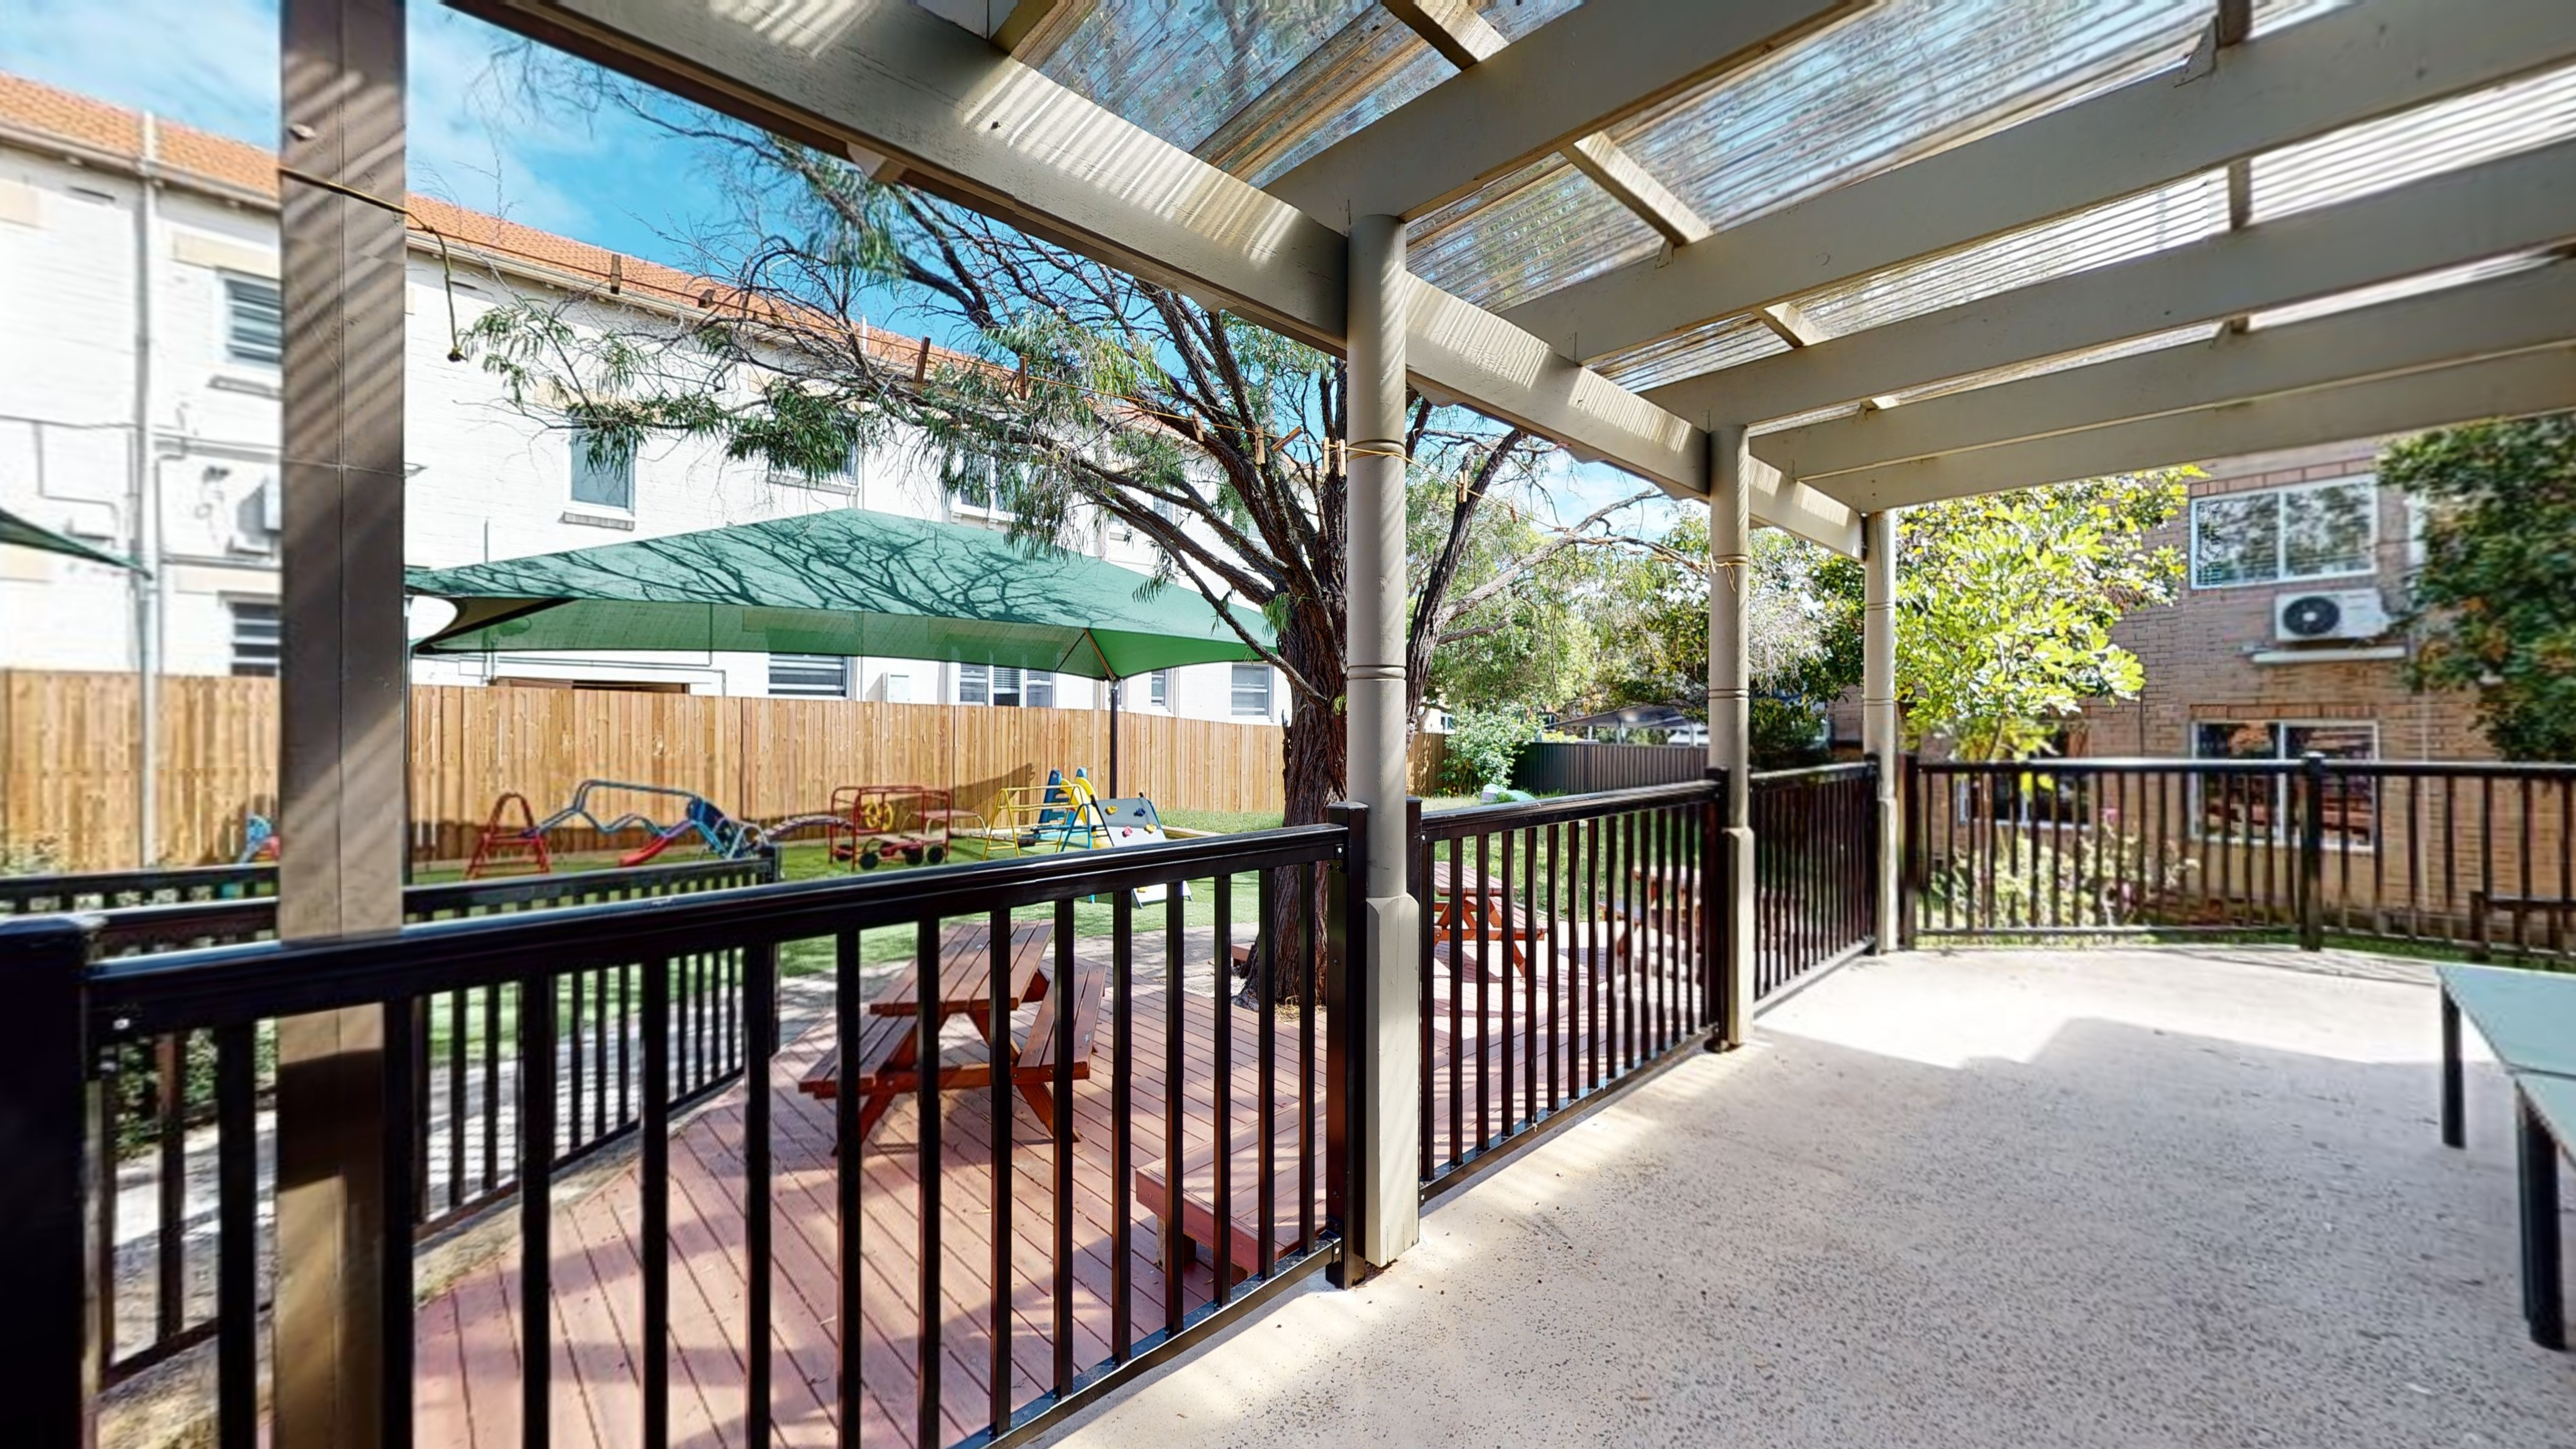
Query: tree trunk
x,y
1317,751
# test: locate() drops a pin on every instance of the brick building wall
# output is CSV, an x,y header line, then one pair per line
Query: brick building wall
x,y
2213,656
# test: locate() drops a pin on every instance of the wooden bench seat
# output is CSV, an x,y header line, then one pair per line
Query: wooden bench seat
x,y
887,1062
1198,1227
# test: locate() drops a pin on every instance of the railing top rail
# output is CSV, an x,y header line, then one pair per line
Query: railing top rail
x,y
1479,819
2148,764
124,926
1839,769
123,882
226,985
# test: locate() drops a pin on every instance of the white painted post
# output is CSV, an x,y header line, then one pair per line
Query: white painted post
x,y
1878,725
1730,546
1389,1199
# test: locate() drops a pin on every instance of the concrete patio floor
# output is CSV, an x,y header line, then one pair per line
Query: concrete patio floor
x,y
2102,1197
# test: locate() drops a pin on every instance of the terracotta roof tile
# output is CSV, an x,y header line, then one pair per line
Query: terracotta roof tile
x,y
37,109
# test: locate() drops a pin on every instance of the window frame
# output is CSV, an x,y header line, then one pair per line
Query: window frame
x,y
231,285
254,667
808,661
577,459
2280,577
2197,810
1158,689
1269,692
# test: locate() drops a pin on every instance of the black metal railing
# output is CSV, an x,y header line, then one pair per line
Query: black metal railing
x,y
156,1281
2471,855
1815,863
964,1248
107,890
1567,945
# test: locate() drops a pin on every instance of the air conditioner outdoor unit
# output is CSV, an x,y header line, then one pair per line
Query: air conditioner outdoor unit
x,y
2335,614
272,504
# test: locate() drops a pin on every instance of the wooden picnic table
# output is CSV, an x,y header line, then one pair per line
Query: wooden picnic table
x,y
1482,904
889,1045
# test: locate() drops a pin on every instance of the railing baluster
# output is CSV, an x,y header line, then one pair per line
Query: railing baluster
x,y
1509,970
405,1089
1122,1127
1310,990
1265,956
761,1029
849,1174
170,1143
1221,950
653,1245
236,1236
1003,966
1473,890
536,1215
1457,998
1175,1030
1061,1093
925,1023
1555,963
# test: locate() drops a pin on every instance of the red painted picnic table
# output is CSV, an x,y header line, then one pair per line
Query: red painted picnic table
x,y
1482,904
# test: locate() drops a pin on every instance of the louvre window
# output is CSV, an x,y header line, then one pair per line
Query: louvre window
x,y
809,676
255,637
1252,690
254,322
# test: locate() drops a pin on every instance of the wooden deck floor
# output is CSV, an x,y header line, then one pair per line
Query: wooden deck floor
x,y
469,1352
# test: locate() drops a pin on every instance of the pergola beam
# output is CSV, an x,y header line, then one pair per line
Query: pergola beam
x,y
2338,70
2515,386
1591,68
2518,203
967,122
2509,314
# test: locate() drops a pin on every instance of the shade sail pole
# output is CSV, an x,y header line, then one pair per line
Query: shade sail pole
x,y
1113,736
1387,1201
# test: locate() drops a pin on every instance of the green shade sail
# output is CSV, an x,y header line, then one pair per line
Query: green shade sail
x,y
19,531
842,582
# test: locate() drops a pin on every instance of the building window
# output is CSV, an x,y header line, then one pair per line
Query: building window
x,y
2318,531
254,322
1158,689
844,476
1252,690
602,475
977,497
1004,687
255,634
809,676
2257,807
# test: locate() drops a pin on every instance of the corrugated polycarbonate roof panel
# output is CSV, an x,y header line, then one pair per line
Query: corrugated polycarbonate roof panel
x,y
1702,349
2389,152
1900,79
1180,68
1544,226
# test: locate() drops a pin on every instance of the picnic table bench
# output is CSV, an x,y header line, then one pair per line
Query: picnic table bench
x,y
888,1061
1197,1228
2529,1019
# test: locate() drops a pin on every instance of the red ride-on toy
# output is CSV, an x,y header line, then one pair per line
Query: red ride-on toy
x,y
879,822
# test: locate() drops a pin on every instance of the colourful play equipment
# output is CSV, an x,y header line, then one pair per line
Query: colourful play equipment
x,y
500,841
880,822
725,837
260,840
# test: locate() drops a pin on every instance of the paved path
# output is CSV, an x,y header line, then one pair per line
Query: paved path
x,y
1999,1199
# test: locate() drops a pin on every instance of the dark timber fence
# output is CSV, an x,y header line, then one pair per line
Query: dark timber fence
x,y
2479,856
1562,768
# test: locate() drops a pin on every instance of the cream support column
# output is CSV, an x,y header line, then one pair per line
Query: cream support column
x,y
1878,727
1389,1197
1730,545
343,1227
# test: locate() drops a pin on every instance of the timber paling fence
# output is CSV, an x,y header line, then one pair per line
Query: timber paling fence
x,y
2477,856
69,759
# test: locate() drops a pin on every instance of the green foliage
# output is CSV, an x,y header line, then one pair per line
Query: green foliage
x,y
2005,605
1654,620
2495,600
1523,636
1484,746
1784,734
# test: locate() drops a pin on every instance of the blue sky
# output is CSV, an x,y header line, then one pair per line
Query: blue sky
x,y
474,142
604,179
